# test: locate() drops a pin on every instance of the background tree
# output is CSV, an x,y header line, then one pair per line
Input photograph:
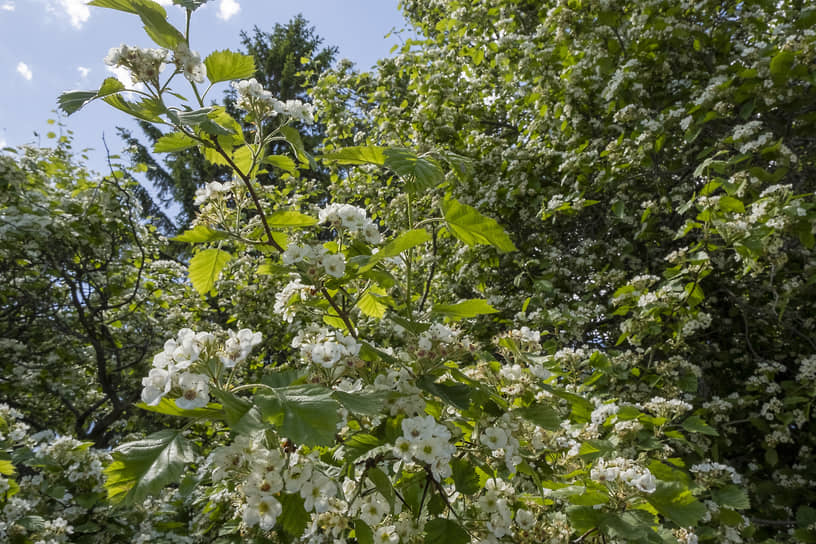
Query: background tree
x,y
85,287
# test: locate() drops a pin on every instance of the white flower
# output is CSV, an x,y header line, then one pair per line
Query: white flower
x,y
494,438
195,391
262,510
525,519
335,265
157,384
646,482
316,493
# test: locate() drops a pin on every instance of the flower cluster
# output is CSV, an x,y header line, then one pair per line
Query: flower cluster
x,y
255,99
333,264
625,471
351,219
144,64
210,190
189,63
326,348
170,372
425,441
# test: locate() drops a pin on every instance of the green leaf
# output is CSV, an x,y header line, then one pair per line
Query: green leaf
x,y
695,424
194,117
444,530
781,65
543,415
464,309
473,228
457,394
290,218
731,204
147,109
206,267
6,467
403,242
419,173
371,305
294,516
227,65
153,16
168,407
360,444
174,141
370,404
306,414
283,162
363,532
292,137
234,408
72,101
675,501
356,155
200,234
464,476
732,496
142,468
382,483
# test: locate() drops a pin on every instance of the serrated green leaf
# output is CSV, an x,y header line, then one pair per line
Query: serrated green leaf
x,y
290,218
444,530
153,16
695,424
142,468
168,407
306,414
403,242
732,496
147,109
294,516
356,155
227,65
359,444
111,85
543,415
473,228
370,404
199,234
464,476
464,309
72,101
283,162
175,141
371,305
457,394
206,267
675,501
418,173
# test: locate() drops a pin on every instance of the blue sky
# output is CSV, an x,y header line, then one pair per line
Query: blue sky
x,y
50,46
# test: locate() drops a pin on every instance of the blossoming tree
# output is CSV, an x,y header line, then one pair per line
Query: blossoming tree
x,y
453,381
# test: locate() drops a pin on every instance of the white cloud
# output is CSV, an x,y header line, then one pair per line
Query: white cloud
x,y
76,10
24,70
227,9
83,72
7,6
